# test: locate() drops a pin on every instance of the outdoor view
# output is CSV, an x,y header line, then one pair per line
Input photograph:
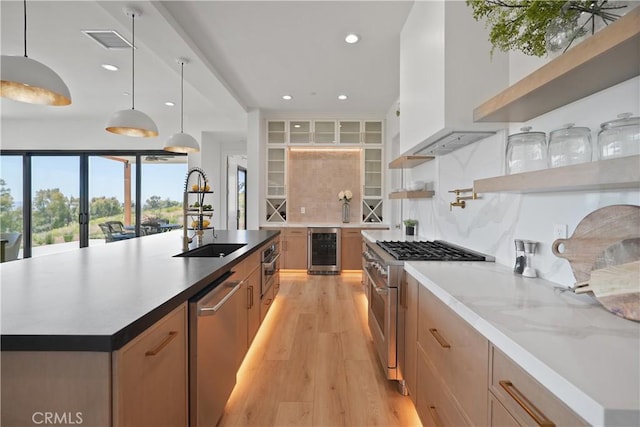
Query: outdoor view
x,y
56,204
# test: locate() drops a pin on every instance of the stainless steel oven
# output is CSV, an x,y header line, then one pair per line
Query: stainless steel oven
x,y
385,316
383,266
270,267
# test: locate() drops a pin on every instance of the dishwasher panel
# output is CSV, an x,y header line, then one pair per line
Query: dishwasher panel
x,y
215,347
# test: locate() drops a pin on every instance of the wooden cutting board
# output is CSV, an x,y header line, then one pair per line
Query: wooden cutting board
x,y
617,288
595,233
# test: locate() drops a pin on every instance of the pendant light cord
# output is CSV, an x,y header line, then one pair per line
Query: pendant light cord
x,y
25,28
133,61
182,97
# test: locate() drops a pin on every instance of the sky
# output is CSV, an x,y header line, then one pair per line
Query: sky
x,y
105,177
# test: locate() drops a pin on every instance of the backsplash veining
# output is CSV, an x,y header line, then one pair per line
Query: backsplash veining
x,y
314,180
491,223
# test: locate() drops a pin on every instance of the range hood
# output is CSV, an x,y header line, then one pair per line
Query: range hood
x,y
448,140
444,74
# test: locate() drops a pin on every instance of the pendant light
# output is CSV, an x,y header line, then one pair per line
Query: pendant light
x,y
27,80
132,122
182,142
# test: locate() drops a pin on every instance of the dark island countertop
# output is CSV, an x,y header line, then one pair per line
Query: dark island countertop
x,y
99,298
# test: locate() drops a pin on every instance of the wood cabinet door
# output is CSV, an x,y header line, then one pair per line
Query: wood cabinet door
x,y
410,297
295,249
253,304
351,249
498,415
150,375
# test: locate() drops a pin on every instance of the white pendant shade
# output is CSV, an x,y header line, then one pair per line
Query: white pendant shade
x,y
182,143
27,80
132,123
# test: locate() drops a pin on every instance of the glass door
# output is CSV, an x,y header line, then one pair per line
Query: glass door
x,y
11,205
55,207
112,189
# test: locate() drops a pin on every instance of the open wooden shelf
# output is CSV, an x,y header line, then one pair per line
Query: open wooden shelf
x,y
411,195
607,58
409,161
612,174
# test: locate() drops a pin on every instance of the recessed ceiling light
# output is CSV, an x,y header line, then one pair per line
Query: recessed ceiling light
x,y
287,97
125,93
109,67
169,104
296,126
352,38
342,97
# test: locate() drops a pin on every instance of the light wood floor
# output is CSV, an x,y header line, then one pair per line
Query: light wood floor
x,y
313,362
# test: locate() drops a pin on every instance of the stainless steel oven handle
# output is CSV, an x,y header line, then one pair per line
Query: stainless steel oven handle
x,y
378,289
209,311
269,264
367,256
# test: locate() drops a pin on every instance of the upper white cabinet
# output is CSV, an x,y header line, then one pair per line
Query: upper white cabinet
x,y
300,132
276,132
325,132
446,69
364,135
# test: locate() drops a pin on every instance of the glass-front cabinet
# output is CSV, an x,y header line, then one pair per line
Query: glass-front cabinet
x,y
366,134
276,184
350,132
372,185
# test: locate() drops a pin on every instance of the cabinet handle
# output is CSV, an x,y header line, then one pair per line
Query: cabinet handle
x,y
162,345
443,343
249,296
268,302
526,404
434,416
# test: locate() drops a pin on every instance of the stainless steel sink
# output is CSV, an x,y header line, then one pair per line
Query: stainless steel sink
x,y
213,250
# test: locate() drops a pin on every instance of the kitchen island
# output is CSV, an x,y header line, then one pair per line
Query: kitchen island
x,y
71,323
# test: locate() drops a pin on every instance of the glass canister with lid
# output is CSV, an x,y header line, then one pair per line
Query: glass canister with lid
x,y
569,146
526,151
619,138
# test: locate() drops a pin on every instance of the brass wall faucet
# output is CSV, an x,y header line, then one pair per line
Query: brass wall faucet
x,y
460,200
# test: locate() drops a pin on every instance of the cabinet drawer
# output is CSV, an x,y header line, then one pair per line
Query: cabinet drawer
x,y
295,231
527,400
459,354
498,416
150,375
434,404
351,232
266,302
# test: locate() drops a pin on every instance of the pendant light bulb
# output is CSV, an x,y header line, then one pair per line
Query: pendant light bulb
x,y
132,122
27,80
182,142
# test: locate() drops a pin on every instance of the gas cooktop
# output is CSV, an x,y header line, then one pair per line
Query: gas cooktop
x,y
429,251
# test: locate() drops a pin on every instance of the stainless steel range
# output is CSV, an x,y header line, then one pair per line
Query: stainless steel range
x,y
383,264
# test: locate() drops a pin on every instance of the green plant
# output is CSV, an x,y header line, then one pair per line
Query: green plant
x,y
410,222
68,237
522,24
48,239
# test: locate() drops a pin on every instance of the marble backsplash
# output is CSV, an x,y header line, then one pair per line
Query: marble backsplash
x,y
491,223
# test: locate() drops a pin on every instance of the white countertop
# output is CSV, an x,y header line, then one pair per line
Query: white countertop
x,y
586,356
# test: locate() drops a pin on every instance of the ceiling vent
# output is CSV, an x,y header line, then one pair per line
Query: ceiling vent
x,y
109,39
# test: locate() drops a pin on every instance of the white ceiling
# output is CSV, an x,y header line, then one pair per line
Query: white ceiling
x,y
243,55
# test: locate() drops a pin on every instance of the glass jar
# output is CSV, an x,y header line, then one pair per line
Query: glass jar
x,y
569,146
526,151
619,138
